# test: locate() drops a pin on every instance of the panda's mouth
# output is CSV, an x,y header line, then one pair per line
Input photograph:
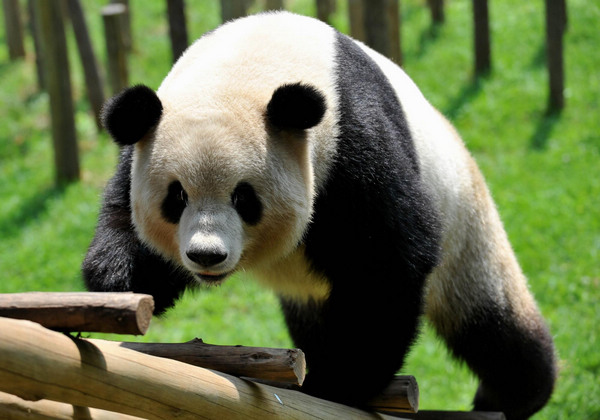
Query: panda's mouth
x,y
211,278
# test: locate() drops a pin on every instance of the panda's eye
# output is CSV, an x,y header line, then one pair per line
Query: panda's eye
x,y
246,203
174,203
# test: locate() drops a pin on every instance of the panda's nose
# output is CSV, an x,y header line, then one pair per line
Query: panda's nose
x,y
207,257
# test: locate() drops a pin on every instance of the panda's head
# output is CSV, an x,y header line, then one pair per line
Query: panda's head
x,y
219,185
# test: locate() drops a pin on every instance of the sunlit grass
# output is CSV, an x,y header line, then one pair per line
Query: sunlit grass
x,y
543,170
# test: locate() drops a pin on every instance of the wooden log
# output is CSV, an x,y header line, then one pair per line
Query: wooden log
x,y
119,313
401,395
281,368
281,365
57,76
382,27
233,9
437,11
91,71
13,26
481,26
126,33
357,20
454,415
555,26
177,27
36,363
15,408
113,16
274,5
37,44
324,9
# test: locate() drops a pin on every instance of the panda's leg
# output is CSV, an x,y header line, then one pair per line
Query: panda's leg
x,y
117,260
354,342
501,336
514,361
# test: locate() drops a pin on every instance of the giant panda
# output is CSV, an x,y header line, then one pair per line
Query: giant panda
x,y
279,146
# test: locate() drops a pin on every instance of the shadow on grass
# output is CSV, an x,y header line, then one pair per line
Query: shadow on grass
x,y
29,211
468,92
543,129
427,38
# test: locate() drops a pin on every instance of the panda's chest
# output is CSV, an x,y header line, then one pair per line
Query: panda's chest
x,y
292,278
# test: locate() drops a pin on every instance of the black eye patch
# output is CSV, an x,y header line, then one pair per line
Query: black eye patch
x,y
174,203
246,203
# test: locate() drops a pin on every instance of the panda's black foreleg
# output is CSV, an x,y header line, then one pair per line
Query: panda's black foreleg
x,y
117,260
354,342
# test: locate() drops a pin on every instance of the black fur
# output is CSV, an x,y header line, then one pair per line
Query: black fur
x,y
129,115
375,237
117,260
174,203
516,365
296,107
247,203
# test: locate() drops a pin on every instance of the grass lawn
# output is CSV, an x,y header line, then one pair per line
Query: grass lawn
x,y
543,170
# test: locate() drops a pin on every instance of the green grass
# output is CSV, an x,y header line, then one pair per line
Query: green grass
x,y
543,170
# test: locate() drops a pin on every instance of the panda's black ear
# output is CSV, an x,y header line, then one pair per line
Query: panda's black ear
x,y
129,115
296,107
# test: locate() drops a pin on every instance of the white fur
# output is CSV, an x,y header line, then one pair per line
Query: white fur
x,y
212,136
478,263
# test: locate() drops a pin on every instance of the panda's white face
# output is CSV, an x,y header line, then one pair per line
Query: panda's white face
x,y
216,193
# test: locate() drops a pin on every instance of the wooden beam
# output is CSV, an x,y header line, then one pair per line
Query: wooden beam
x,y
233,9
382,27
357,19
454,415
481,27
274,5
401,395
58,80
114,18
119,313
36,363
93,81
437,11
13,407
555,26
280,365
177,27
13,25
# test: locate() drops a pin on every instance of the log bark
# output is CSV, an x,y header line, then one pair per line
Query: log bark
x,y
58,80
114,18
481,29
454,415
36,363
233,9
93,80
15,408
119,313
401,395
177,27
357,20
437,11
280,365
382,27
281,368
555,26
14,29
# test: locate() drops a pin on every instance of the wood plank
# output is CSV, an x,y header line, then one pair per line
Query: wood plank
x,y
119,313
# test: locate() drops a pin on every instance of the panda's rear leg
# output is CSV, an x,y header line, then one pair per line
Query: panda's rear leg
x,y
512,355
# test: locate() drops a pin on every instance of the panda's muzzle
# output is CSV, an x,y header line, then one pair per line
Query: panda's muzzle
x,y
207,257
